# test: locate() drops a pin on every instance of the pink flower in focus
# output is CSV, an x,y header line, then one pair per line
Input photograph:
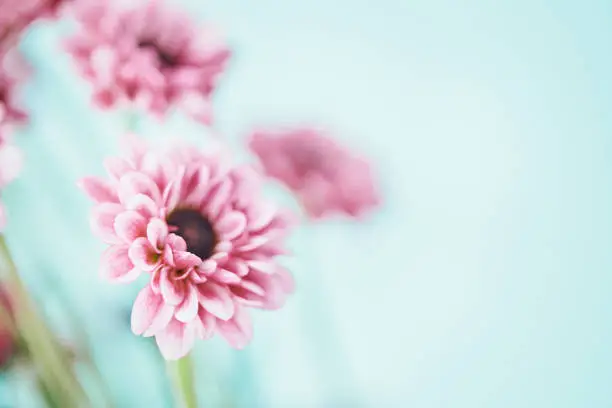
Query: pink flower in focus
x,y
326,177
151,55
202,234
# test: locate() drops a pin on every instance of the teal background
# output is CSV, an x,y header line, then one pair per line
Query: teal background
x,y
484,281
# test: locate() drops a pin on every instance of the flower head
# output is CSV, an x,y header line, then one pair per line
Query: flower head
x,y
150,54
201,233
326,177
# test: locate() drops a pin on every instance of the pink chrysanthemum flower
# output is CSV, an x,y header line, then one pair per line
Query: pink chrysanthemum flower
x,y
325,177
151,55
203,235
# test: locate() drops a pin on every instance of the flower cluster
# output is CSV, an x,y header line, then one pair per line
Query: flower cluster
x,y
326,177
202,234
150,54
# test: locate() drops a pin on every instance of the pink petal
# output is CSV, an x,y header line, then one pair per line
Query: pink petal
x,y
172,291
207,267
231,225
134,183
217,199
253,243
260,216
143,254
157,231
103,221
262,266
130,225
116,167
239,330
176,340
225,276
198,187
116,265
216,300
185,260
207,325
188,309
285,279
238,267
98,189
143,204
177,243
149,313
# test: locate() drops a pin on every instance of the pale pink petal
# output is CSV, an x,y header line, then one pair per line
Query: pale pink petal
x,y
143,255
134,183
216,300
207,326
173,291
262,266
116,265
217,199
185,260
116,167
260,215
188,309
239,330
253,243
157,231
98,190
149,313
143,204
102,221
176,243
231,225
176,340
130,225
225,276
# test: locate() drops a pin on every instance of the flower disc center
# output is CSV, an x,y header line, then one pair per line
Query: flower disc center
x,y
165,59
195,229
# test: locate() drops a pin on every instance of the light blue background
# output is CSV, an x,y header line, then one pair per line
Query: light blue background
x,y
485,279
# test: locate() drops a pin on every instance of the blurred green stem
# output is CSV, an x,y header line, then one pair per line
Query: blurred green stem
x,y
54,369
181,376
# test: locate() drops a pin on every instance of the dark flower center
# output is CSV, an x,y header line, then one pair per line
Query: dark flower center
x,y
166,59
195,229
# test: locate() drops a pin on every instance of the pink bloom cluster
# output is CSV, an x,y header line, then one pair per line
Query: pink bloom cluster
x,y
326,177
17,15
151,55
201,233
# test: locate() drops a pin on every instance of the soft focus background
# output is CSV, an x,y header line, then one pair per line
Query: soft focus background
x,y
485,279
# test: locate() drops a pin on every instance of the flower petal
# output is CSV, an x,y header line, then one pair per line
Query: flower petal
x,y
98,189
102,221
239,330
225,276
130,225
216,300
116,167
207,325
176,340
260,215
263,266
134,183
185,260
172,291
188,309
116,265
157,231
231,225
149,313
143,255
143,204
217,199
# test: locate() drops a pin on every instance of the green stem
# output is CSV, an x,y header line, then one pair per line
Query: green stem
x,y
55,371
181,376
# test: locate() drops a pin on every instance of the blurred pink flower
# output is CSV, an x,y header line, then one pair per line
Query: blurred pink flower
x,y
326,177
152,55
202,233
13,72
17,15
